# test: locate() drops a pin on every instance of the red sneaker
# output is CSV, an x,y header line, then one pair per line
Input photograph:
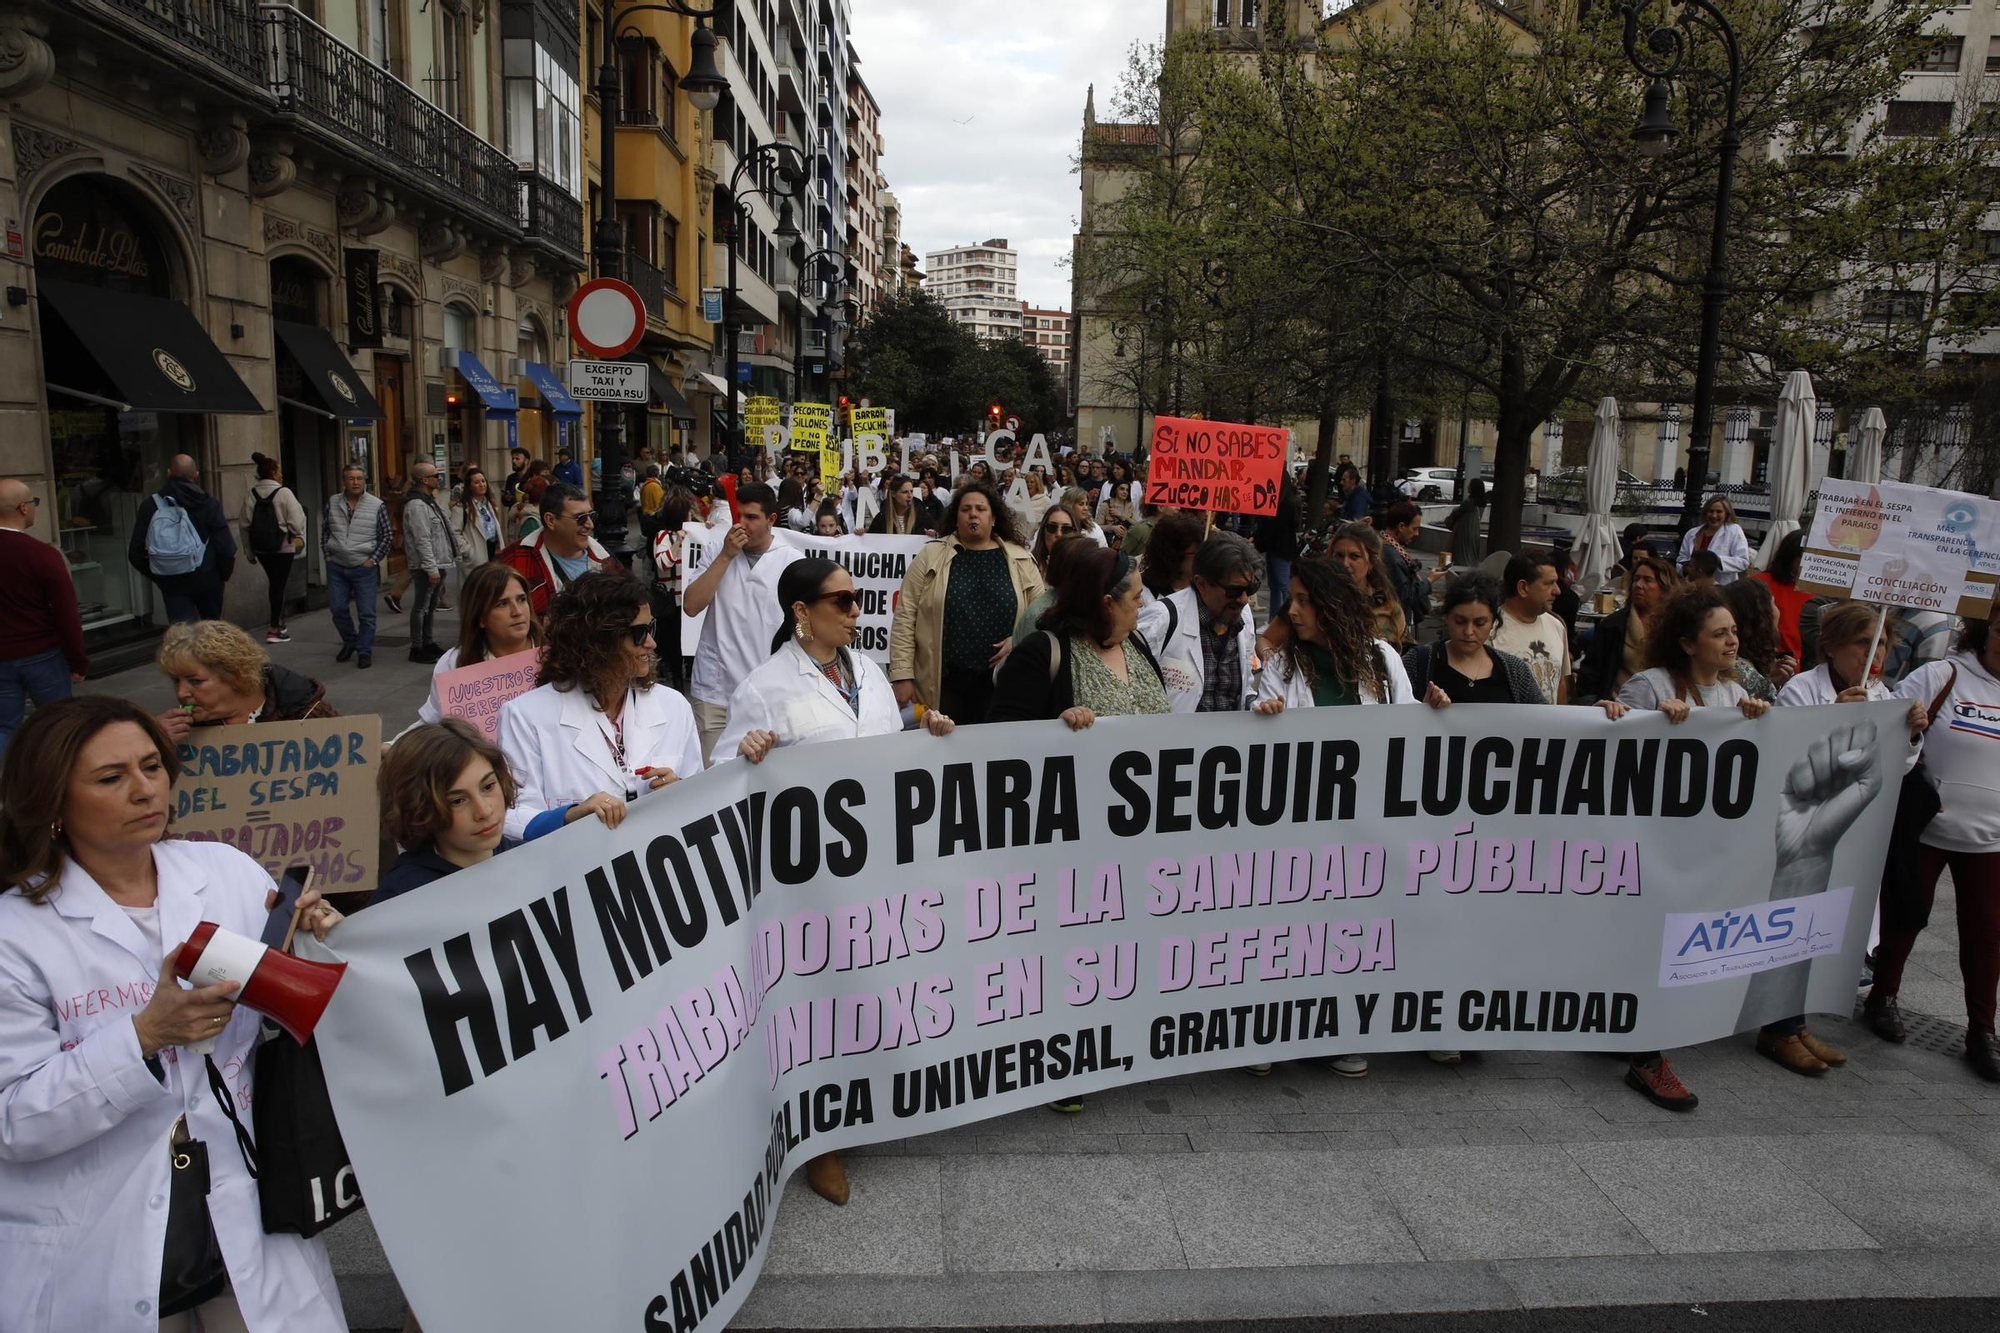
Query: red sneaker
x,y
1656,1081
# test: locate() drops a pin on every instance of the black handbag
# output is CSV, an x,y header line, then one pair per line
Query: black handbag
x,y
191,1268
1906,907
306,1180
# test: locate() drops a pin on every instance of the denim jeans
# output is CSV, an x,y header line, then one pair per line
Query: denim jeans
x,y
1280,583
424,597
356,584
43,678
203,603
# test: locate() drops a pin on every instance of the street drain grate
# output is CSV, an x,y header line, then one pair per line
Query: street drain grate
x,y
1942,1036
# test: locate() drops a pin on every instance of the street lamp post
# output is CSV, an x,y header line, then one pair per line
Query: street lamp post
x,y
1667,45
791,164
704,86
805,265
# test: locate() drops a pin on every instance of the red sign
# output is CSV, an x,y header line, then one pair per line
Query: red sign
x,y
1216,465
606,318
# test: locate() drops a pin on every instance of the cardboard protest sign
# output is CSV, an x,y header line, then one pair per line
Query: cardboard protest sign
x,y
809,439
760,411
876,563
1908,546
476,692
1215,465
877,421
829,466
286,792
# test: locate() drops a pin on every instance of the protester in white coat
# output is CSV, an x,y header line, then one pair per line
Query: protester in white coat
x,y
1207,671
1721,534
739,591
1332,655
596,731
95,1031
815,688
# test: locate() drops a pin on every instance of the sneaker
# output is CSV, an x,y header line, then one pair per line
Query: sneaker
x,y
278,634
346,653
1445,1057
367,660
1349,1066
395,603
1066,1105
1656,1081
1885,1019
1257,1071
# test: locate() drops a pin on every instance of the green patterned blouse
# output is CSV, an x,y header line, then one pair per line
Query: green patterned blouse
x,y
1099,690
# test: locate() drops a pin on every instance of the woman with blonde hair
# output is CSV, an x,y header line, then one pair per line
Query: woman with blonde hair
x,y
222,678
1618,649
1357,548
1720,534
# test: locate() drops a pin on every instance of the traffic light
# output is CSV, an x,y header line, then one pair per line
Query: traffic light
x,y
843,402
994,412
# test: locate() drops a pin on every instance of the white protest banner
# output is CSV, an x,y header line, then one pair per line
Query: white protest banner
x,y
877,565
649,1028
286,792
476,692
1908,546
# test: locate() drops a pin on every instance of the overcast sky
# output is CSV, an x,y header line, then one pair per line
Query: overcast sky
x,y
1014,71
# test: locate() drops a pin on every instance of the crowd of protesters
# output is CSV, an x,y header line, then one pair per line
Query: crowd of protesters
x,y
1081,602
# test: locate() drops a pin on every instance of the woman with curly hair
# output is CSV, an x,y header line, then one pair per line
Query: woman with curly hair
x,y
1334,655
1357,548
222,678
1762,664
594,733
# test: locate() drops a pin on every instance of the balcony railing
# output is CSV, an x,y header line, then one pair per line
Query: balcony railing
x,y
552,215
651,284
331,89
226,31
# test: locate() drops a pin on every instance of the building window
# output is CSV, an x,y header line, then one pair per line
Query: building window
x,y
1944,59
1894,307
1907,119
635,83
542,113
670,87
670,250
452,93
1248,17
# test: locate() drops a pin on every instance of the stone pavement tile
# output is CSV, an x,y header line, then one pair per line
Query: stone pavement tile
x,y
1426,1136
1048,1142
1979,1142
1223,1141
1938,1124
1650,1279
887,1148
1503,1202
892,1222
961,1300
1715,1195
1271,1210
1949,1272
1912,1192
1319,1293
1360,1140
1520,1092
1495,1134
1114,1122
1014,1214
1843,1124
1137,1143
957,1141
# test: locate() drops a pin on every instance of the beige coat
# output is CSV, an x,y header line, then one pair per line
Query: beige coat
x,y
916,639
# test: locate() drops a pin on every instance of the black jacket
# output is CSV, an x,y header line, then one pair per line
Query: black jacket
x,y
1597,676
217,564
417,867
1521,687
1029,690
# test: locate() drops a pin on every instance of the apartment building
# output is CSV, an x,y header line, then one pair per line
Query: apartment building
x,y
977,285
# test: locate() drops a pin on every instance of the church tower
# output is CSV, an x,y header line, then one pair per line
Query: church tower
x,y
1239,20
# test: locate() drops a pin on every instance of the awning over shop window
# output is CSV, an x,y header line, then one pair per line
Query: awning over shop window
x,y
667,396
152,350
544,379
333,379
495,396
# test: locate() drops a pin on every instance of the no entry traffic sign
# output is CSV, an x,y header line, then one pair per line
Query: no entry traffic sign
x,y
606,318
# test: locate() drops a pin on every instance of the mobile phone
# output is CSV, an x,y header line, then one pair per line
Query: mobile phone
x,y
296,879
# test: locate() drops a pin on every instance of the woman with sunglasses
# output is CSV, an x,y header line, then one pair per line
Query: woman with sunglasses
x,y
1057,524
595,732
815,688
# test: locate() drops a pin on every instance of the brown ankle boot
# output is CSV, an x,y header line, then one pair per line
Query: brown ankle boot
x,y
828,1177
1821,1049
1791,1053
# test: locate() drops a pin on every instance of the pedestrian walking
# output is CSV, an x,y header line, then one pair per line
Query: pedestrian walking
x,y
1722,536
181,542
510,489
274,528
354,537
41,632
567,469
475,523
428,550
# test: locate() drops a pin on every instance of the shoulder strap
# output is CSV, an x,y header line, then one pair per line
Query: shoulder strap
x,y
1173,623
1055,654
1937,703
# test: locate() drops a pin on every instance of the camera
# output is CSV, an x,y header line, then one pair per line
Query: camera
x,y
699,484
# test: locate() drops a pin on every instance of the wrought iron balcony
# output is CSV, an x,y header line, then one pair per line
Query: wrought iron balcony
x,y
552,216
651,283
331,91
228,32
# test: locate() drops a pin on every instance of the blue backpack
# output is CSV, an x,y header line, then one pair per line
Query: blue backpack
x,y
173,546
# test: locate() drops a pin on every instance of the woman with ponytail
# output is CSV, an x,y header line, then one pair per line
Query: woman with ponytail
x,y
815,687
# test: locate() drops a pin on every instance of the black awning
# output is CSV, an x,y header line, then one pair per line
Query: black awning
x,y
667,396
153,351
332,377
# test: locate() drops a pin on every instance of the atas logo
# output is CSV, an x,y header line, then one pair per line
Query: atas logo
x,y
176,373
1735,931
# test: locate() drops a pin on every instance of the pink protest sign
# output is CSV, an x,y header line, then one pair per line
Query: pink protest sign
x,y
476,692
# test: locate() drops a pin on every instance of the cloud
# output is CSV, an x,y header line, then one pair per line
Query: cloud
x,y
1015,73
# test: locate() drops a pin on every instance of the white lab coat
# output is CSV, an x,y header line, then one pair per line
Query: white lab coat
x,y
742,617
1816,687
1730,546
559,746
790,696
432,709
1182,665
84,1122
1296,691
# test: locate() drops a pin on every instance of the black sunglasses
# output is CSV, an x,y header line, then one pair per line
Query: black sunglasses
x,y
1237,592
587,516
843,600
1058,527
639,633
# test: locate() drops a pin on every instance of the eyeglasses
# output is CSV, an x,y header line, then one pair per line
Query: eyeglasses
x,y
843,601
32,502
584,519
1237,592
641,632
1058,529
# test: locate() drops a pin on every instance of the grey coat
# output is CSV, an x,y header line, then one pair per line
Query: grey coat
x,y
426,536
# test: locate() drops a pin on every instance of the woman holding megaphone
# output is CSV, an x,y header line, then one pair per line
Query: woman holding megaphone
x,y
106,1113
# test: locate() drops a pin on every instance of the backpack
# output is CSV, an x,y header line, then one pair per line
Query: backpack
x,y
266,537
173,545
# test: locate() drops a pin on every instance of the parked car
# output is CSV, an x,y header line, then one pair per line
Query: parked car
x,y
1428,483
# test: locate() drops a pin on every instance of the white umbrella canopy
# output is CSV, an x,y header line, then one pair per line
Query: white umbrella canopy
x,y
1597,546
1791,447
1864,460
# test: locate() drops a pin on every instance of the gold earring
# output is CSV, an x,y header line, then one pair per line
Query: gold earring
x,y
55,830
800,632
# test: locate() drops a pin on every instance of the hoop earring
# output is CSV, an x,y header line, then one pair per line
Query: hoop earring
x,y
800,632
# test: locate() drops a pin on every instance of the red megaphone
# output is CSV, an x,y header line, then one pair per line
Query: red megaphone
x,y
727,484
291,992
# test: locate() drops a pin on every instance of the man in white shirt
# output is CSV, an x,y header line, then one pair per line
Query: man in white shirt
x,y
739,590
1528,631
